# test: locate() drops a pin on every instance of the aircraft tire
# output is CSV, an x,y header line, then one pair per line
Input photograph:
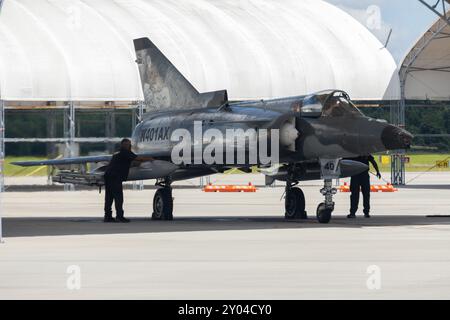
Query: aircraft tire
x,y
295,204
163,204
323,214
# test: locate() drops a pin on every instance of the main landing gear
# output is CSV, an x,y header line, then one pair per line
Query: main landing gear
x,y
163,201
294,203
295,199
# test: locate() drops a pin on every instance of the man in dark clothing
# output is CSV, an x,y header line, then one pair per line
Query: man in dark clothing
x,y
115,174
362,182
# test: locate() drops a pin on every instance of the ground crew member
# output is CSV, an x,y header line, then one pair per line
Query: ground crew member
x,y
362,182
115,174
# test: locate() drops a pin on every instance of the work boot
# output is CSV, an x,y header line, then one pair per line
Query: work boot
x,y
122,219
351,216
109,219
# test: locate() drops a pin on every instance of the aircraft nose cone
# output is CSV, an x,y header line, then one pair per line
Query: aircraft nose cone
x,y
395,138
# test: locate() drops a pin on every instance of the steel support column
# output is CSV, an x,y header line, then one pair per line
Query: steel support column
x,y
2,154
398,118
2,161
69,134
51,148
138,114
2,145
110,129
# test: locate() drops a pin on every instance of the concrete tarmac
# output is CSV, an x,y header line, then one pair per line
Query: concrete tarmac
x,y
227,246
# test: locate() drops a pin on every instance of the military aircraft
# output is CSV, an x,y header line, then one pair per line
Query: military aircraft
x,y
312,136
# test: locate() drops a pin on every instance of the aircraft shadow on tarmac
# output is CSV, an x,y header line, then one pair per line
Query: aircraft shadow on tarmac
x,y
35,227
426,186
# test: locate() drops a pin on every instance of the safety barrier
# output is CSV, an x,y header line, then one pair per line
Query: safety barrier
x,y
373,188
230,188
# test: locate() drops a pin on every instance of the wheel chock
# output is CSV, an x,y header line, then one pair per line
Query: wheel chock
x,y
230,188
373,188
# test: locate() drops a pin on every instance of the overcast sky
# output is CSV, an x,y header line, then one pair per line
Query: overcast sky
x,y
409,19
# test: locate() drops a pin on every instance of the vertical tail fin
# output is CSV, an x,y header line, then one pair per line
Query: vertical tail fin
x,y
164,87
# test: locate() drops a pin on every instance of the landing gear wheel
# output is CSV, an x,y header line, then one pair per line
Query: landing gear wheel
x,y
323,213
295,204
163,204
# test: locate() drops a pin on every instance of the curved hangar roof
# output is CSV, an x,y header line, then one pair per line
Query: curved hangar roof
x,y
427,65
58,50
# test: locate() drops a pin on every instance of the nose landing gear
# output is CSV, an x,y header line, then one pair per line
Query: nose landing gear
x,y
325,209
330,169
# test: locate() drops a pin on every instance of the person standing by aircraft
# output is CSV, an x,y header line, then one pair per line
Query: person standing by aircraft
x,y
115,174
362,182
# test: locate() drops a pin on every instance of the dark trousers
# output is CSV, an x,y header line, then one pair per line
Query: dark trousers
x,y
357,183
113,192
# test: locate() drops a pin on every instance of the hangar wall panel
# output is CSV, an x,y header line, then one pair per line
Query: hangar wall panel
x,y
83,50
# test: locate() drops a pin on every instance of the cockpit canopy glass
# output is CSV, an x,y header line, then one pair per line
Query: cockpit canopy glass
x,y
329,104
312,106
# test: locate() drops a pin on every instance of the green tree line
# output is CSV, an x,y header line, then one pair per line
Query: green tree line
x,y
26,124
422,120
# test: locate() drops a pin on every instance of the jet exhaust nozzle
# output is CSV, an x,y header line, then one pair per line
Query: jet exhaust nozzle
x,y
288,134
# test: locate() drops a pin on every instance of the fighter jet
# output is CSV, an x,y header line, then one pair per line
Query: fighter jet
x,y
304,138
